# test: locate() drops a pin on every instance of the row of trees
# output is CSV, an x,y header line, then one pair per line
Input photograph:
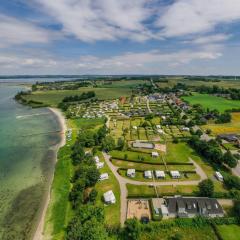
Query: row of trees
x,y
211,151
83,96
233,93
88,221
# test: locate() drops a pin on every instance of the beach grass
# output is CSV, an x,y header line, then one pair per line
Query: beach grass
x,y
59,211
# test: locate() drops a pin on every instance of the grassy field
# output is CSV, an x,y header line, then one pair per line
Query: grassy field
x,y
179,152
229,232
52,98
186,233
112,212
232,127
212,102
59,210
148,191
140,177
135,156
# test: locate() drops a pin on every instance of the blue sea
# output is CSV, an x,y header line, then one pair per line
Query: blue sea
x,y
27,140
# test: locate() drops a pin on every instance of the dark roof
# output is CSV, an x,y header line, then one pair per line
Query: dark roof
x,y
194,205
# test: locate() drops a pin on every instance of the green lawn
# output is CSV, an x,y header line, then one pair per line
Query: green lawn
x,y
187,233
148,191
112,212
179,152
140,177
52,98
229,232
135,156
212,102
144,166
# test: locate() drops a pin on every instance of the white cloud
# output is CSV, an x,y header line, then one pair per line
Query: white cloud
x,y
185,17
14,32
143,62
209,39
93,20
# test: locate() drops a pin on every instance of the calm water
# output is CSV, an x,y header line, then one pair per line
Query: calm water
x,y
26,163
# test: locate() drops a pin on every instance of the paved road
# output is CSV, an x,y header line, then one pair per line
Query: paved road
x,y
123,181
149,109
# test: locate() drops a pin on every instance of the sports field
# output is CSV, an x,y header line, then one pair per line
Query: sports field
x,y
212,102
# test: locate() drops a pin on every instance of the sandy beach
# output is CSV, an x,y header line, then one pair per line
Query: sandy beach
x,y
38,235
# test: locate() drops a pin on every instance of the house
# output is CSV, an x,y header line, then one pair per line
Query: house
x,y
109,197
229,137
96,159
148,174
189,207
186,129
135,127
104,176
100,165
131,173
155,154
175,174
159,174
219,176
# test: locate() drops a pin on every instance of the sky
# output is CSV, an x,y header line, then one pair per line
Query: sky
x,y
198,37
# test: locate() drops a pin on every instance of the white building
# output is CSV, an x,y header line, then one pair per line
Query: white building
x,y
131,173
96,159
158,126
148,174
100,165
104,176
186,129
109,197
134,127
175,174
155,154
219,176
159,174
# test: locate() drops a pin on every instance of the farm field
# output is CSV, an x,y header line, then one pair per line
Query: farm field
x,y
212,102
232,127
52,98
229,232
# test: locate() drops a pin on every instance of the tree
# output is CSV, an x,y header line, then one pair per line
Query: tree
x,y
237,208
206,188
108,143
93,195
92,176
132,229
120,143
229,159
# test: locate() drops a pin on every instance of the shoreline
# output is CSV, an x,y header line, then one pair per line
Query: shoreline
x,y
38,233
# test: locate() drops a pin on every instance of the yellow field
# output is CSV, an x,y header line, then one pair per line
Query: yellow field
x,y
233,127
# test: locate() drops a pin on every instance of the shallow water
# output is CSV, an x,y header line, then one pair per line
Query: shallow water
x,y
26,163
